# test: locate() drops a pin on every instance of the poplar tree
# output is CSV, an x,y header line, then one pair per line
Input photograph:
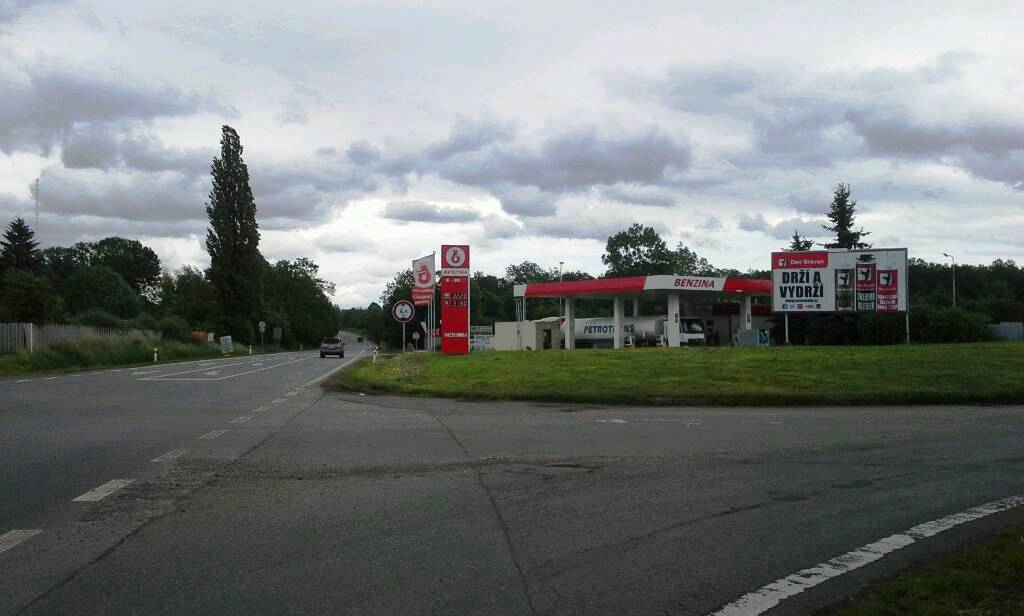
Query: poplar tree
x,y
233,238
842,212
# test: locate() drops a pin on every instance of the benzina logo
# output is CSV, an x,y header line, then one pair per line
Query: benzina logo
x,y
695,283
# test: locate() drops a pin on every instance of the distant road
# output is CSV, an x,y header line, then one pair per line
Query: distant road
x,y
244,492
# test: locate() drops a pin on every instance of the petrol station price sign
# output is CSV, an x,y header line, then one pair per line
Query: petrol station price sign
x,y
870,280
455,299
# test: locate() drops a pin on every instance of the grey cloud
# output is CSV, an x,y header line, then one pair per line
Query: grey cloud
x,y
572,160
809,201
11,10
712,224
495,227
584,227
525,200
780,230
640,195
469,135
138,196
362,153
98,147
421,211
345,243
42,104
293,115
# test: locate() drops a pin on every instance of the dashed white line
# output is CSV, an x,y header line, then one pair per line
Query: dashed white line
x,y
212,434
50,378
24,381
614,421
13,537
291,393
770,595
241,419
170,456
260,409
103,491
212,373
278,400
145,372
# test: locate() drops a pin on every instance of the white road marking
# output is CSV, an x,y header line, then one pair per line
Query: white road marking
x,y
212,373
614,421
212,434
50,378
241,419
145,372
325,376
278,400
230,376
685,422
170,456
13,537
775,423
103,491
24,381
770,595
259,363
260,409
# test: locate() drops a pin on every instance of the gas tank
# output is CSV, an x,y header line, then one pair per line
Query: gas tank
x,y
641,328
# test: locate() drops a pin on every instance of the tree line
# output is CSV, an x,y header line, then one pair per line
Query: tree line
x,y
120,282
985,293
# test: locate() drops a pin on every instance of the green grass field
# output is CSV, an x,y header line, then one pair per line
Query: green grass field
x,y
719,376
101,353
985,578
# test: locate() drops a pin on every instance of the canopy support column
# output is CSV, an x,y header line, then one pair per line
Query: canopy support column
x,y
617,321
570,323
672,324
747,317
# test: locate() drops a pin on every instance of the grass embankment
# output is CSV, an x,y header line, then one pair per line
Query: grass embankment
x,y
102,353
912,374
985,578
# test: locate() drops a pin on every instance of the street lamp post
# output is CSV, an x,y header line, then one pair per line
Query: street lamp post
x,y
954,276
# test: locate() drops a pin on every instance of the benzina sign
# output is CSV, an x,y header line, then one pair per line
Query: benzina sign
x,y
455,299
840,281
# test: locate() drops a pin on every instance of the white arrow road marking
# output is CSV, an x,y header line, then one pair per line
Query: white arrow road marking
x,y
103,491
13,537
170,456
770,595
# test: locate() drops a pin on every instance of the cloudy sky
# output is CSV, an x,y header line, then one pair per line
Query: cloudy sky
x,y
376,131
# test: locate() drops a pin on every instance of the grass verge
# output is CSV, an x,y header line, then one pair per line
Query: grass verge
x,y
714,376
102,353
984,578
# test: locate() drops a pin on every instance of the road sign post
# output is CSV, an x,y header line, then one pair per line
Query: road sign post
x,y
263,328
403,311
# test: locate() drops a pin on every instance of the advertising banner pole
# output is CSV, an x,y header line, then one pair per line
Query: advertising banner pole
x,y
403,337
787,328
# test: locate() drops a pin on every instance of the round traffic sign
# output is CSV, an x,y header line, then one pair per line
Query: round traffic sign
x,y
403,311
456,256
415,335
263,326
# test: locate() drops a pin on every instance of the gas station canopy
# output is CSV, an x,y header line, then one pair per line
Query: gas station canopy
x,y
643,286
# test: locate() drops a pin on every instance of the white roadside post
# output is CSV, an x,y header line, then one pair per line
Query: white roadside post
x,y
570,323
747,319
154,355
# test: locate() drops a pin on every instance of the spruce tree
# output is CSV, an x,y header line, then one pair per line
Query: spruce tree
x,y
18,249
233,237
842,213
799,243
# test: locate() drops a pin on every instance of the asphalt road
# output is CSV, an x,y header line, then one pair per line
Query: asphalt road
x,y
327,502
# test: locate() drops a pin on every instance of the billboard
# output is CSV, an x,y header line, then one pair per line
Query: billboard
x,y
423,280
455,299
870,280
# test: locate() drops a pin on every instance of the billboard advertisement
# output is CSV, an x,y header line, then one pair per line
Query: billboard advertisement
x,y
870,280
423,280
455,299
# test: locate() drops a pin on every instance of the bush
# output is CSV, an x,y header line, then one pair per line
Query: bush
x,y
882,328
98,287
175,328
99,318
935,324
239,328
96,352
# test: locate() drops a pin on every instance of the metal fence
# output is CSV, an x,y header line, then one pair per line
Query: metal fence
x,y
14,336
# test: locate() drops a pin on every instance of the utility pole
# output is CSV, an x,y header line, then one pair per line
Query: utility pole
x,y
954,276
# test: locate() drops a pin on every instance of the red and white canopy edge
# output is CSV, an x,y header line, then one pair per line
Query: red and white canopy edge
x,y
634,286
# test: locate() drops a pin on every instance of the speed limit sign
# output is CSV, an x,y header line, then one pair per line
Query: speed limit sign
x,y
403,311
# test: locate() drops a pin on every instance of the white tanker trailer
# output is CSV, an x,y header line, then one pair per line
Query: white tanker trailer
x,y
645,331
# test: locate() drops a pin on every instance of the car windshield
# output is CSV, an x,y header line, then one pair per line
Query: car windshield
x,y
332,340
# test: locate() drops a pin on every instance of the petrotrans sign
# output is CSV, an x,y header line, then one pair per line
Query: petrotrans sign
x,y
872,280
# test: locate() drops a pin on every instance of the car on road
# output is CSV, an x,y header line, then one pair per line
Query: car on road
x,y
332,346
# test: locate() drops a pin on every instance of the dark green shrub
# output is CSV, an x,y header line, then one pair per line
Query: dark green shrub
x,y
98,287
99,318
175,328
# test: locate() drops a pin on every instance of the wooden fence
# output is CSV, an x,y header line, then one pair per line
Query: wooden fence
x,y
14,336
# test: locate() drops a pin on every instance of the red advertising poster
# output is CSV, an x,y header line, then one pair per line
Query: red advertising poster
x,y
455,299
423,281
796,260
888,291
866,286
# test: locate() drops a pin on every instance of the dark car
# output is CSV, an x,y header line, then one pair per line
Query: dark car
x,y
332,346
